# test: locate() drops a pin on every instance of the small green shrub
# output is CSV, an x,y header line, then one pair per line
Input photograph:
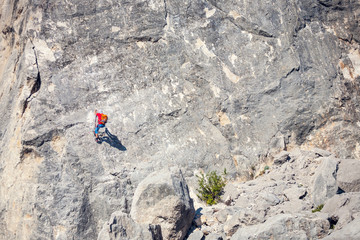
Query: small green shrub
x,y
263,171
318,208
211,186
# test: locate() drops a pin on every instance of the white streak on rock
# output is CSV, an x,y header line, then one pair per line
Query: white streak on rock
x,y
201,45
230,75
209,13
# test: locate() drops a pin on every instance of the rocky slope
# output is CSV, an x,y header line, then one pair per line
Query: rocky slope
x,y
194,84
303,195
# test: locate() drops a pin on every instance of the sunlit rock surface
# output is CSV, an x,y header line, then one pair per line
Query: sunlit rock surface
x,y
194,84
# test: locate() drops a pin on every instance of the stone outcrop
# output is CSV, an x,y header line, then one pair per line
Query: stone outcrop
x,y
161,209
348,176
351,232
194,84
285,226
163,199
279,203
122,227
343,208
324,183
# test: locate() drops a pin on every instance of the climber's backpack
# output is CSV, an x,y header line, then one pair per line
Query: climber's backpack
x,y
103,119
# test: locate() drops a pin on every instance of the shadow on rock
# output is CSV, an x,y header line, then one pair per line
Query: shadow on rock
x,y
196,223
112,140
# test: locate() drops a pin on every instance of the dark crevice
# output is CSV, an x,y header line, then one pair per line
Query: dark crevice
x,y
141,39
264,33
37,63
16,2
303,196
155,231
277,87
17,61
9,34
273,90
333,220
347,40
166,12
213,3
36,86
336,170
40,140
7,30
174,114
337,6
291,71
250,27
345,203
24,106
340,191
325,4
25,152
246,26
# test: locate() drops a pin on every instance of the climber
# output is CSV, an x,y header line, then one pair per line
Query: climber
x,y
101,121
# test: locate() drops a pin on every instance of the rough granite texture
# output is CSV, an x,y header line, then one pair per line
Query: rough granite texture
x,y
196,84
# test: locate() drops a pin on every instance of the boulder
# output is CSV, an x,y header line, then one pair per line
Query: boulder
x,y
281,158
197,218
285,226
324,183
350,232
205,216
322,152
215,236
293,207
295,193
230,192
122,227
242,218
267,199
348,177
344,208
223,214
196,235
163,199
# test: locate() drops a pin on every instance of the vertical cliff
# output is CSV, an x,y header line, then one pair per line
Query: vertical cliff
x,y
193,84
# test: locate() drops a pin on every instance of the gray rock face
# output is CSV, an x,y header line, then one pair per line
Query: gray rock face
x,y
324,183
241,218
279,203
351,232
285,226
162,198
197,235
281,158
192,84
348,176
293,194
214,236
344,208
122,227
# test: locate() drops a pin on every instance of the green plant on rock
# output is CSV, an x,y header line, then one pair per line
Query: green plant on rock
x,y
211,186
318,208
